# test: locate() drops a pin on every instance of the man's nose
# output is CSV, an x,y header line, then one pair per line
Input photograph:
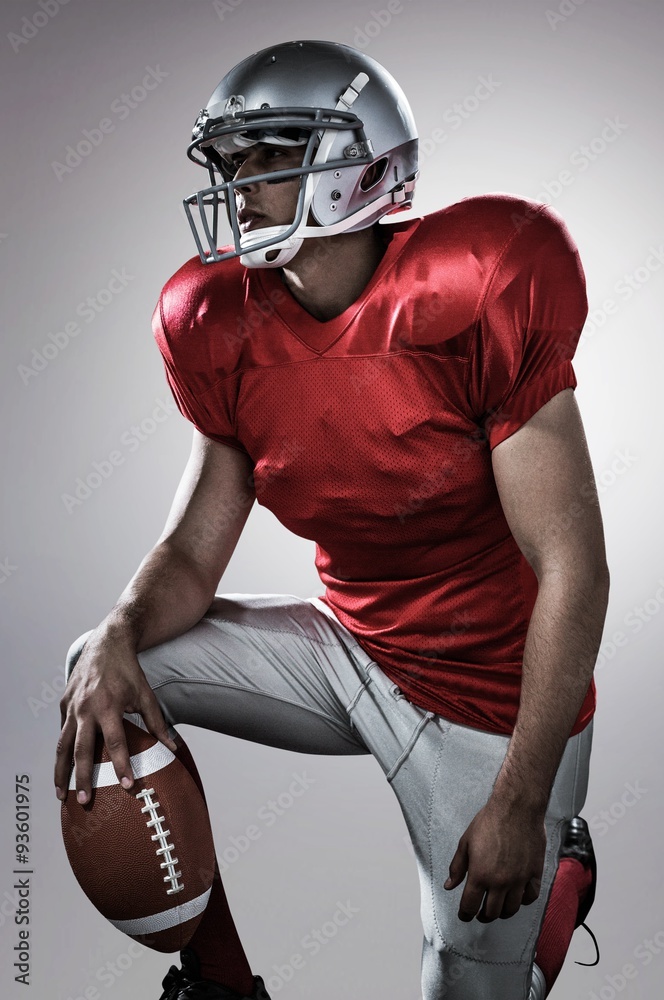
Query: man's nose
x,y
246,169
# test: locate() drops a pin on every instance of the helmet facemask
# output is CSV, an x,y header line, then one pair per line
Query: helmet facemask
x,y
316,136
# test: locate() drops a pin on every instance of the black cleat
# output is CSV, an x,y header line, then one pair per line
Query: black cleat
x,y
186,983
578,844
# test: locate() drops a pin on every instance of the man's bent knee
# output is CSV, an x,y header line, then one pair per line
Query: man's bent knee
x,y
74,652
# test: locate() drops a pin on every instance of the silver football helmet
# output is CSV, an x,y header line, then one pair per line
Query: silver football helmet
x,y
342,108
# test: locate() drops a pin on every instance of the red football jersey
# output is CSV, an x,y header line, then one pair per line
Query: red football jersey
x,y
371,433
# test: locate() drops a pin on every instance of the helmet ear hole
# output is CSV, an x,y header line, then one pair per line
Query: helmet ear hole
x,y
374,174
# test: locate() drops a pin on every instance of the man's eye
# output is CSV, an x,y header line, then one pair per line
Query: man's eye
x,y
271,153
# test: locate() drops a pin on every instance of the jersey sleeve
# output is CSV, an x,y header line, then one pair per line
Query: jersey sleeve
x,y
190,383
530,320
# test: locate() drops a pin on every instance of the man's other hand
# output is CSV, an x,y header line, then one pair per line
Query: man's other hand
x,y
501,856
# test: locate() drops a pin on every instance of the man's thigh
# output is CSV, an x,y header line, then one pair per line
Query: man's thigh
x,y
441,783
269,668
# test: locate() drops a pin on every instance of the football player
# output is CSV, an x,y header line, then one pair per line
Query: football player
x,y
401,392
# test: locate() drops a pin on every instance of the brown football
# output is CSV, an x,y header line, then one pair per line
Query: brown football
x,y
144,857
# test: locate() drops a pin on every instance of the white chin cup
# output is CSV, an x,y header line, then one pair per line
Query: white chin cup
x,y
283,251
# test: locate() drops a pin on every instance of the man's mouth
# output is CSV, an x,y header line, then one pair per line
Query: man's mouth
x,y
247,219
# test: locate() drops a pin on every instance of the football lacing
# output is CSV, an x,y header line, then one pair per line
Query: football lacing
x,y
155,821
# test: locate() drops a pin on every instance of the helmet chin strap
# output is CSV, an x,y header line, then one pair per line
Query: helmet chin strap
x,y
285,250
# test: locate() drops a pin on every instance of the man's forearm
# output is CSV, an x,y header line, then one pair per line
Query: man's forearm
x,y
561,647
165,597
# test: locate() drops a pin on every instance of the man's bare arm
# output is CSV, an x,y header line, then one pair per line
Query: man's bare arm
x,y
168,594
547,490
176,581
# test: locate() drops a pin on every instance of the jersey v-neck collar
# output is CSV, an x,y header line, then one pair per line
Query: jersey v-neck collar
x,y
320,335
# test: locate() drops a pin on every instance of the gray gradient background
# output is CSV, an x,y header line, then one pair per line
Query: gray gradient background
x,y
344,840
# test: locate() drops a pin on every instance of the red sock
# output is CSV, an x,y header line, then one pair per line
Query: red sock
x,y
569,889
216,941
218,946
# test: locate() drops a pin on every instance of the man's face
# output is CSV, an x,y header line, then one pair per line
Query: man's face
x,y
263,204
